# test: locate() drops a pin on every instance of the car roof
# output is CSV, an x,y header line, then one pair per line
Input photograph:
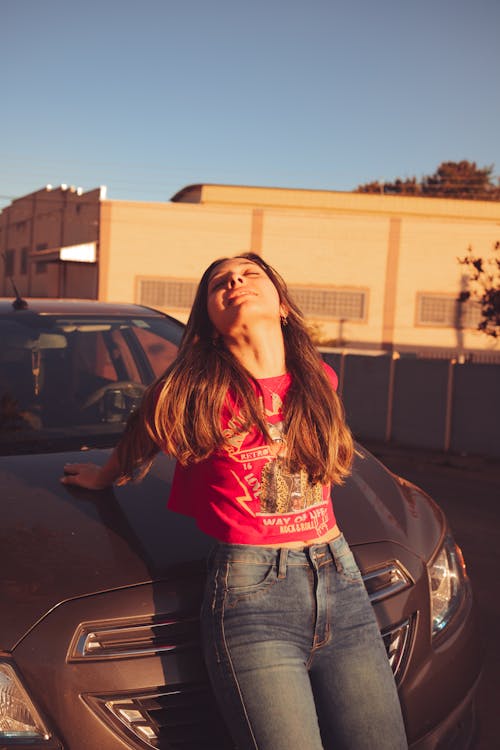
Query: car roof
x,y
46,306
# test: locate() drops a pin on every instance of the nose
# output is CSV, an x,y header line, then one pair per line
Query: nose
x,y
235,280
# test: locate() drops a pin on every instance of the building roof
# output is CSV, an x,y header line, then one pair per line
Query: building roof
x,y
336,201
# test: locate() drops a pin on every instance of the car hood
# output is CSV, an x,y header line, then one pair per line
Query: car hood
x,y
60,543
375,505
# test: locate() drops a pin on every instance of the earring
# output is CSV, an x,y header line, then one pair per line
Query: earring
x,y
284,321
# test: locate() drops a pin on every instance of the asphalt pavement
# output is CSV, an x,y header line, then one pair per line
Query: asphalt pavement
x,y
468,490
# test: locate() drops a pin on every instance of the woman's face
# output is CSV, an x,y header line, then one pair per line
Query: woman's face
x,y
240,292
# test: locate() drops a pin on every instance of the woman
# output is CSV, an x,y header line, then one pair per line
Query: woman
x,y
250,412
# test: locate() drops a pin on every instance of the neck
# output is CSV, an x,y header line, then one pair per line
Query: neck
x,y
261,352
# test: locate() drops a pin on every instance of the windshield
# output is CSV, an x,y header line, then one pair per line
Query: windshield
x,y
71,382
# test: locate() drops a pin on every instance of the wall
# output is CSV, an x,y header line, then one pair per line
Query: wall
x,y
396,246
40,224
435,404
154,240
428,263
388,248
332,250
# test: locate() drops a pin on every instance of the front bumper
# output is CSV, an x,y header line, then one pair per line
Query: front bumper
x,y
457,731
157,666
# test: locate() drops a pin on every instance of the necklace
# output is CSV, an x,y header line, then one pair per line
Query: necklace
x,y
275,409
274,393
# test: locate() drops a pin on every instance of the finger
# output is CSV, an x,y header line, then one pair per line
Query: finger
x,y
72,468
77,467
69,479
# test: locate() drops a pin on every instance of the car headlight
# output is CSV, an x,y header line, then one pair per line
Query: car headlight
x,y
19,719
448,584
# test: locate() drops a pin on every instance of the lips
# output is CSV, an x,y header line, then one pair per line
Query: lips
x,y
237,295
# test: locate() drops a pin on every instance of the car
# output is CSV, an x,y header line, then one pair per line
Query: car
x,y
100,591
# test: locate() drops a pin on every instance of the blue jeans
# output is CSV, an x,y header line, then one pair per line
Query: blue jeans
x,y
294,652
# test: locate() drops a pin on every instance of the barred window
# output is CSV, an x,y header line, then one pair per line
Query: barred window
x,y
24,261
318,302
40,266
9,260
324,302
167,293
471,314
447,311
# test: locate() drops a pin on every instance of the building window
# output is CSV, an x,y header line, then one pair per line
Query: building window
x,y
316,302
325,302
167,293
471,314
24,261
40,266
9,259
445,311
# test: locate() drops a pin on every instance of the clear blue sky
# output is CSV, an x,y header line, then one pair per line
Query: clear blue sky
x,y
147,96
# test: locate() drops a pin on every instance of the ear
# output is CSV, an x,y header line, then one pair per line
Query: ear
x,y
283,311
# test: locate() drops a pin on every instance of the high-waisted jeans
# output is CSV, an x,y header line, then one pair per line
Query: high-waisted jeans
x,y
294,652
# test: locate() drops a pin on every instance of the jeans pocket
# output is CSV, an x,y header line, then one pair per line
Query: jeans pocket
x,y
244,578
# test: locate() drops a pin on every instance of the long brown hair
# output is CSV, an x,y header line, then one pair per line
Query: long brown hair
x,y
181,412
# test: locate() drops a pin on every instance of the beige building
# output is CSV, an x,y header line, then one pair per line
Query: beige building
x,y
371,272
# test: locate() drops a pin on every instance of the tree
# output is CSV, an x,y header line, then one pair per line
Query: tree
x,y
484,278
463,179
409,186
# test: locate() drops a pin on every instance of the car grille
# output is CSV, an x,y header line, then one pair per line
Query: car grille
x,y
185,717
111,640
135,638
397,641
385,581
381,583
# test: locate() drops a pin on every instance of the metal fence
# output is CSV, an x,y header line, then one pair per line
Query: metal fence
x,y
426,403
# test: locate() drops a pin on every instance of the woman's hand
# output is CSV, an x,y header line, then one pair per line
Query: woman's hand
x,y
90,476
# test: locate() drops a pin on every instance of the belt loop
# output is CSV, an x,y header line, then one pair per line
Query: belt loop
x,y
283,557
338,567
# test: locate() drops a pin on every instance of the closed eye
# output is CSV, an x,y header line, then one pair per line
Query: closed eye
x,y
220,281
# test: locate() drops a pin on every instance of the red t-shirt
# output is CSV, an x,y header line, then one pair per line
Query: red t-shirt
x,y
242,494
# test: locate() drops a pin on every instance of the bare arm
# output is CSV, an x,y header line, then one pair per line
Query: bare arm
x,y
91,476
131,459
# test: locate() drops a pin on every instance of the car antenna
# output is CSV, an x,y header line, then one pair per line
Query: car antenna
x,y
19,303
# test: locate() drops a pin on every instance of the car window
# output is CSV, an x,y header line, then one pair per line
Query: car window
x,y
75,380
91,356
160,352
122,356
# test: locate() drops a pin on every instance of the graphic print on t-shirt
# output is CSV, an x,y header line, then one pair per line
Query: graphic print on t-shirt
x,y
282,491
244,492
266,476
